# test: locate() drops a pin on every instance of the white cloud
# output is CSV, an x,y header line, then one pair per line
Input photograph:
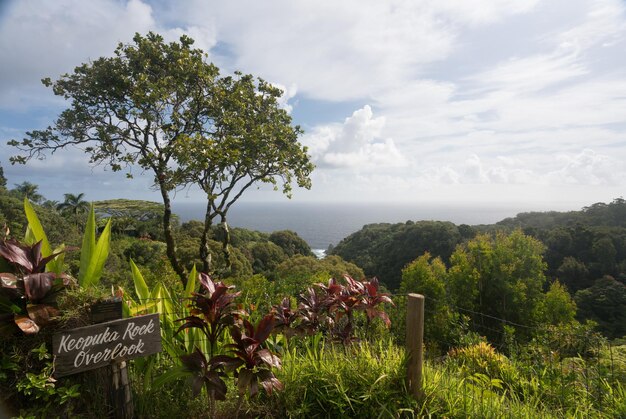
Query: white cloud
x,y
356,143
588,168
602,24
474,95
48,38
481,11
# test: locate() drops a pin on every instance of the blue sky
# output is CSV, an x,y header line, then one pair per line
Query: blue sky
x,y
438,101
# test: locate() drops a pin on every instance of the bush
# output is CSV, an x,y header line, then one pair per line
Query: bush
x,y
482,358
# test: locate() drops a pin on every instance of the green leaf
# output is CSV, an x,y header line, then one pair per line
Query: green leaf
x,y
35,230
98,258
191,282
89,245
140,284
173,373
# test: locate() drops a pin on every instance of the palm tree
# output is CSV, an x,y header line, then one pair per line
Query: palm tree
x,y
28,190
51,205
73,204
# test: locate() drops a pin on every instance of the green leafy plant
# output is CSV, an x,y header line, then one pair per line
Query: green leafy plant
x,y
43,388
93,253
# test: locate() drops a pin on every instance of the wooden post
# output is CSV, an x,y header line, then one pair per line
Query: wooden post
x,y
414,343
121,394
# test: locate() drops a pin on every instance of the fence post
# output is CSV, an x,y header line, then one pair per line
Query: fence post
x,y
414,343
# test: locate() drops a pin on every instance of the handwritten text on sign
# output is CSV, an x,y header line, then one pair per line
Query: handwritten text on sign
x,y
96,346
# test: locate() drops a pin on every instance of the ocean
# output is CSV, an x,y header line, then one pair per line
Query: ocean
x,y
323,224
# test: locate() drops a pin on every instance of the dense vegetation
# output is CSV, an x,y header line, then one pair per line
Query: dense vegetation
x,y
585,251
514,336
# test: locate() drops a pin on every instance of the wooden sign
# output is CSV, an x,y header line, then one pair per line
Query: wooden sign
x,y
107,310
96,346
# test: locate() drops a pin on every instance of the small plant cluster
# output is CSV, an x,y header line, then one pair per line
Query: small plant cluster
x,y
28,293
246,354
333,307
33,284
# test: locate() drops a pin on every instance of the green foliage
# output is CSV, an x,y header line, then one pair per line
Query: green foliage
x,y
299,272
29,191
73,204
574,273
428,276
605,303
36,233
145,252
41,387
570,340
383,250
500,276
558,306
93,253
265,257
482,358
291,243
3,180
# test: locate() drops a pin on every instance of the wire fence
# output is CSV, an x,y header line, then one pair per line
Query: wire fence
x,y
521,371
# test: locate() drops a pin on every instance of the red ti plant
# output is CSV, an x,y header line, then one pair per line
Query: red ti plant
x,y
204,373
312,311
371,301
342,301
212,311
250,362
284,317
28,294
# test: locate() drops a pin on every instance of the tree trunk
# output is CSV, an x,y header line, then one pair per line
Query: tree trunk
x,y
226,242
205,255
169,238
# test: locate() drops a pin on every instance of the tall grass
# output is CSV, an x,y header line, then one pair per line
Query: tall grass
x,y
361,380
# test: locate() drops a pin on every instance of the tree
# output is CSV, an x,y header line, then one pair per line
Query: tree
x,y
605,303
501,277
251,141
574,274
3,180
427,276
558,307
28,190
265,257
163,108
73,204
291,243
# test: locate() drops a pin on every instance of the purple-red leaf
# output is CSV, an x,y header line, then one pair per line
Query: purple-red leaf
x,y
38,285
269,358
264,328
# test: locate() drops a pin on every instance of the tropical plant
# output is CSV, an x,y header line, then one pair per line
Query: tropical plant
x,y
284,317
73,204
27,190
93,253
28,294
212,311
250,362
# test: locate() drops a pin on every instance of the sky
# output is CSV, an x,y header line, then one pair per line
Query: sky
x,y
424,101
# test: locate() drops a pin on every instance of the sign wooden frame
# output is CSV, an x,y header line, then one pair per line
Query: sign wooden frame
x,y
100,345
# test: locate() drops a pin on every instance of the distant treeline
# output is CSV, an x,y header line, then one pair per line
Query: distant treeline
x,y
584,250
